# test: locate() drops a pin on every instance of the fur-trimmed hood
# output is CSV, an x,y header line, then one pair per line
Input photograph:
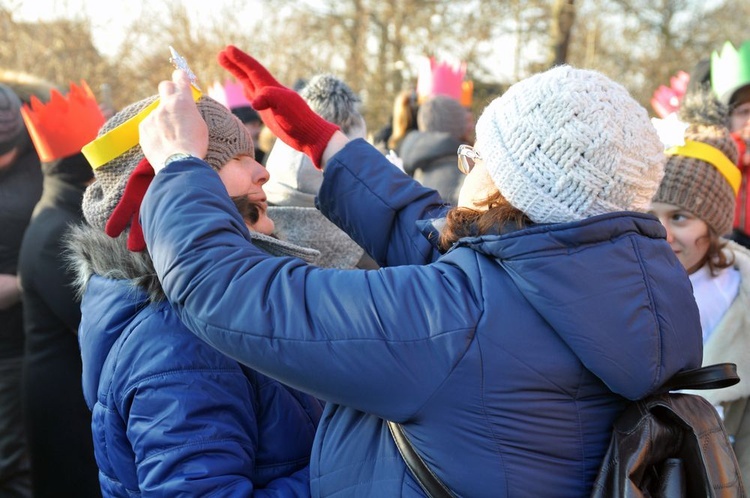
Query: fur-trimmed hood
x,y
92,252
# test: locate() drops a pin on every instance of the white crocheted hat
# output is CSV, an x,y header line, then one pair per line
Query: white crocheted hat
x,y
567,144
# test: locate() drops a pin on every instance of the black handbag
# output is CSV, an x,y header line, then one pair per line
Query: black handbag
x,y
667,445
673,445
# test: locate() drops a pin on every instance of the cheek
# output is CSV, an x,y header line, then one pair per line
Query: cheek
x,y
695,243
702,244
737,123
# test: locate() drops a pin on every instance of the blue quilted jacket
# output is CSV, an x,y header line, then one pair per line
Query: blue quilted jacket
x,y
171,416
506,359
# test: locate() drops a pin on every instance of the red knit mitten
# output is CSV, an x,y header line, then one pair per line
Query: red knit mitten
x,y
285,113
128,209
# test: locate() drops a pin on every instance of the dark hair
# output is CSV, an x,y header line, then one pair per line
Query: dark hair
x,y
248,210
466,222
247,114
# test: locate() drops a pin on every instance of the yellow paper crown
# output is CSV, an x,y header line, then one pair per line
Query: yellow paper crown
x,y
713,156
61,127
119,140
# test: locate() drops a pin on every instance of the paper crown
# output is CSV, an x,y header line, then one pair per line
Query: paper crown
x,y
119,140
62,126
667,99
672,135
730,70
443,78
230,94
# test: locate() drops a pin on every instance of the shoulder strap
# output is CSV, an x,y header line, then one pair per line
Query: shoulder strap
x,y
428,481
715,376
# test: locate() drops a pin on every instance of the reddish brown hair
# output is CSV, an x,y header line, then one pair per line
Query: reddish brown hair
x,y
716,257
466,222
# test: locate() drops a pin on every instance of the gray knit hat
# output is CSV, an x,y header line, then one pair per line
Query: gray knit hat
x,y
443,113
11,121
227,138
334,101
567,144
698,186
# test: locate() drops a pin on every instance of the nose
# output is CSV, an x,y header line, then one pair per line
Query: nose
x,y
260,173
670,237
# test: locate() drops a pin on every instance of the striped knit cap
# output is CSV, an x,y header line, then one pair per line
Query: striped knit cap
x,y
567,144
697,186
227,138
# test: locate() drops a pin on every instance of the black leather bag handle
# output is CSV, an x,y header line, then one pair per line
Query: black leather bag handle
x,y
428,481
715,376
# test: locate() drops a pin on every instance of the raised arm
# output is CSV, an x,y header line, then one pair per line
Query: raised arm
x,y
287,319
382,216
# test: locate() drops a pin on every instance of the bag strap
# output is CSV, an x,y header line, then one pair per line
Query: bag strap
x,y
428,481
715,376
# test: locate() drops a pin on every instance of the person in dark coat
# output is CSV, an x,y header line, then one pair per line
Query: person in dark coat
x,y
57,421
505,335
429,153
20,189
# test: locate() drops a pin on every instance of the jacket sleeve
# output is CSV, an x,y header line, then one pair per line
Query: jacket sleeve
x,y
378,205
378,341
54,282
193,432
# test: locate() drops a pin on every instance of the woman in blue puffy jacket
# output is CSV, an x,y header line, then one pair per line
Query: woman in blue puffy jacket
x,y
172,416
504,335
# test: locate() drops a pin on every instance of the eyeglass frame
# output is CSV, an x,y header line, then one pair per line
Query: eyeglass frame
x,y
467,158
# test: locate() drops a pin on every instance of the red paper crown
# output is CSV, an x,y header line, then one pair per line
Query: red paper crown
x,y
667,99
443,78
61,127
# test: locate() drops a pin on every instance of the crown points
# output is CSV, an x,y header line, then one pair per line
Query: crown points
x,y
667,100
730,70
442,78
63,125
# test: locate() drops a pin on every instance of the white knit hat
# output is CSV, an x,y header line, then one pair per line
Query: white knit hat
x,y
567,144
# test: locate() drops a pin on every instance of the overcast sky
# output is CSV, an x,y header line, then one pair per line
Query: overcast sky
x,y
110,17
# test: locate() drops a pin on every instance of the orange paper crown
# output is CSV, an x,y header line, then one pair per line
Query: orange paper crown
x,y
61,127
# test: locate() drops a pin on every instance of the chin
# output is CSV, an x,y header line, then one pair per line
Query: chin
x,y
264,225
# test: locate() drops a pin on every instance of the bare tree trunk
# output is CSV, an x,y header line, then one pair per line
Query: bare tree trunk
x,y
357,67
563,16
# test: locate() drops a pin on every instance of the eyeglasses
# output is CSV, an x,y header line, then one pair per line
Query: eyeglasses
x,y
467,158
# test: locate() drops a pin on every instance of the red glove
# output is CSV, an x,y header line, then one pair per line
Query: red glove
x,y
129,207
285,113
